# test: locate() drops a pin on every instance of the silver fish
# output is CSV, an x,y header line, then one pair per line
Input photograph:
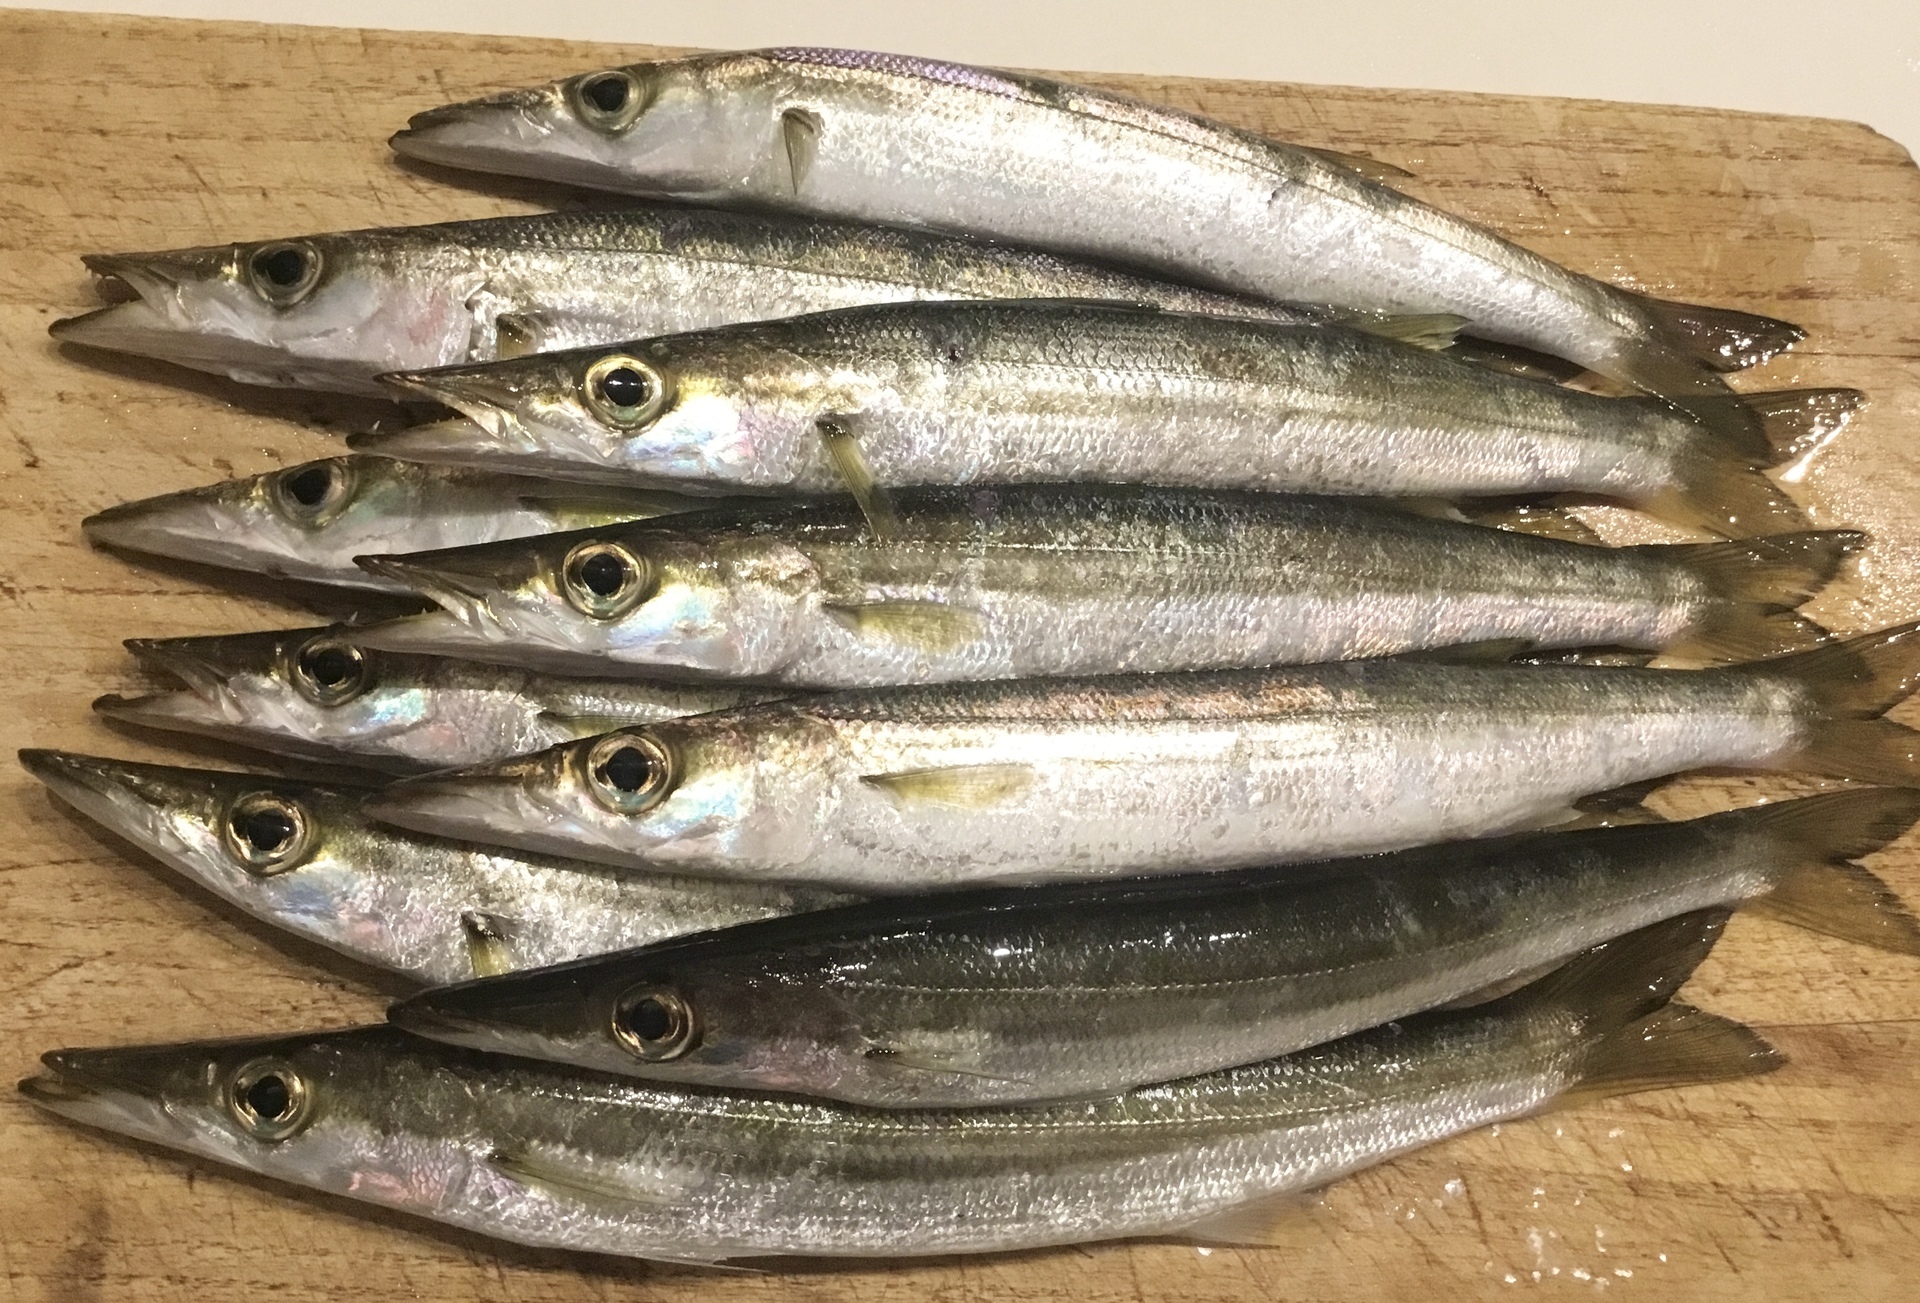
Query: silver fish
x,y
1068,992
324,695
919,788
955,393
550,1156
333,311
885,138
302,857
308,522
1027,580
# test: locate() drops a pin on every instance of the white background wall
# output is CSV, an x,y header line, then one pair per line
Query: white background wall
x,y
1857,59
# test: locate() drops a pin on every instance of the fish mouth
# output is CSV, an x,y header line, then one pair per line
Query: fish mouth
x,y
142,330
190,526
499,133
109,792
501,1014
477,804
86,1086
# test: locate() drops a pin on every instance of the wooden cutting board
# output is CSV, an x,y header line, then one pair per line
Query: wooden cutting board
x,y
126,134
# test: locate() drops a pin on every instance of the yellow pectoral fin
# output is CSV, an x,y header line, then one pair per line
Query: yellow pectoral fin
x,y
488,949
850,464
929,626
578,1177
964,787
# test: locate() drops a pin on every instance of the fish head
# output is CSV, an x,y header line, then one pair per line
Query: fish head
x,y
665,128
710,409
281,523
674,1012
295,854
315,692
725,787
715,601
316,311
335,1111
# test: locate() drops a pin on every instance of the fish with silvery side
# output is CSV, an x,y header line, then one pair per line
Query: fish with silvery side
x,y
1029,994
1022,580
308,522
333,311
1086,172
553,1156
322,694
302,857
889,395
921,788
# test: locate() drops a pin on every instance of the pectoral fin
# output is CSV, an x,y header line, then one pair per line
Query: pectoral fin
x,y
1487,651
965,787
1371,168
836,435
1433,331
800,132
516,334
488,948
933,1061
577,1178
929,626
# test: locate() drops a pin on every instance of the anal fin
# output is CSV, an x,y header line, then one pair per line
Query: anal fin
x,y
1268,1221
1371,168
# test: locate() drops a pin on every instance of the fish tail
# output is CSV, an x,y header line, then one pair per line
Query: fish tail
x,y
1722,339
1759,581
1621,992
1845,687
1824,891
1721,485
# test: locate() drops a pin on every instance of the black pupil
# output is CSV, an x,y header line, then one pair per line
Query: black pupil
x,y
628,769
309,487
329,666
604,574
269,1098
282,267
623,387
649,1020
608,94
266,830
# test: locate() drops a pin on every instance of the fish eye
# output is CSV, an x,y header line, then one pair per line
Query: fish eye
x,y
269,1099
267,833
624,392
284,272
329,671
315,493
608,101
629,773
653,1023
605,580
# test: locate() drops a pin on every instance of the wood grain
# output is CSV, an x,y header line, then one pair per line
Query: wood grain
x,y
124,133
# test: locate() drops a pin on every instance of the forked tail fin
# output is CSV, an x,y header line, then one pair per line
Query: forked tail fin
x,y
1844,688
1759,582
1639,1041
1724,339
1823,891
1722,487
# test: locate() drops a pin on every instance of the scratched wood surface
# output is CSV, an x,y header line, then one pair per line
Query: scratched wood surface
x,y
124,133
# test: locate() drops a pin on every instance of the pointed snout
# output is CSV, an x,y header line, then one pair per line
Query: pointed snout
x,y
488,134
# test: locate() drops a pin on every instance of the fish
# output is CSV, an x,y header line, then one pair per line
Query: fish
x,y
307,522
1089,173
546,1155
1020,580
1031,994
1080,991
1011,392
333,311
302,857
921,788
322,694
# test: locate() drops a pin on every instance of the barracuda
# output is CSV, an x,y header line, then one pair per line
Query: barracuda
x,y
876,137
1067,992
323,694
302,857
334,311
308,522
1048,579
954,393
557,1157
919,788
